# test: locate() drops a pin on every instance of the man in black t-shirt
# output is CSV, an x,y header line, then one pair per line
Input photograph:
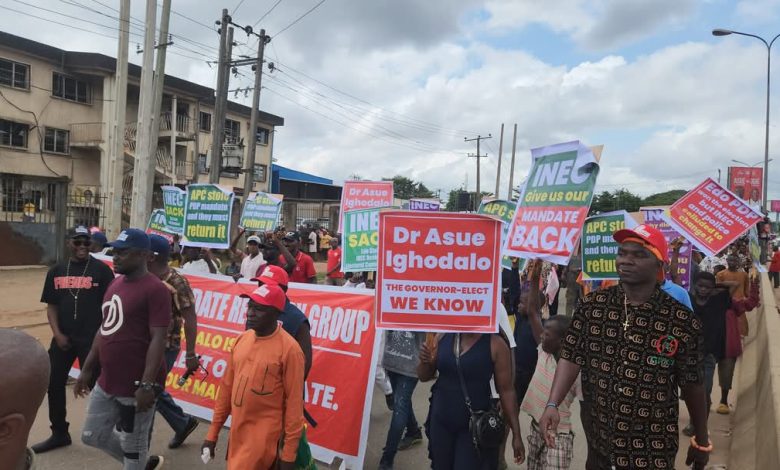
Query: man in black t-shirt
x,y
73,292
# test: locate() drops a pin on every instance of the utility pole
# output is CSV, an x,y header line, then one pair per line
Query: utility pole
x,y
249,171
116,167
512,165
500,157
220,101
159,79
143,179
478,156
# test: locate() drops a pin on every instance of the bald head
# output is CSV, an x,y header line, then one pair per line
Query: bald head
x,y
25,367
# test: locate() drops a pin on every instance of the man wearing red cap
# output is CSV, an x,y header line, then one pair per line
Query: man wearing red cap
x,y
635,345
292,319
262,390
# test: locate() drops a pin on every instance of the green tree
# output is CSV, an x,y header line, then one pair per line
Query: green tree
x,y
620,199
664,199
406,188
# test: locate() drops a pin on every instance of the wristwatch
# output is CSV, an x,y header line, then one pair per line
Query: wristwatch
x,y
551,404
148,386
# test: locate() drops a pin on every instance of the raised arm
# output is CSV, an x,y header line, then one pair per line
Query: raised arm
x,y
533,299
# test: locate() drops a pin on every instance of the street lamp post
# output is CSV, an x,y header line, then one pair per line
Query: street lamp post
x,y
726,32
748,164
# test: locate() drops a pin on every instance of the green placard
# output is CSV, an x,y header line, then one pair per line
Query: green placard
x,y
207,216
599,249
173,202
504,210
158,224
361,235
261,212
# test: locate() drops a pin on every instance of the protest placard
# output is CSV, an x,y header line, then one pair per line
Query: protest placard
x,y
424,205
207,216
712,217
343,339
261,212
364,195
174,199
438,272
599,249
361,234
504,210
555,201
158,225
656,217
755,249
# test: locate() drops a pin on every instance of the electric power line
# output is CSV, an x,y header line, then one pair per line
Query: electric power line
x,y
344,124
299,18
388,132
409,118
267,13
241,2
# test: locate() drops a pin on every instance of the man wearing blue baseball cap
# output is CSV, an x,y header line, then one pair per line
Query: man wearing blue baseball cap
x,y
183,307
129,350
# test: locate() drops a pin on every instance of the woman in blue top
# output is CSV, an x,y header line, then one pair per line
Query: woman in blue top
x,y
482,357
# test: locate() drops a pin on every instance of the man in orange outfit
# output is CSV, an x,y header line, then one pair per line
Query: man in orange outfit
x,y
262,390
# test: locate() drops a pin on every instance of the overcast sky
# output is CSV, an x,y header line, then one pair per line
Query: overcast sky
x,y
378,87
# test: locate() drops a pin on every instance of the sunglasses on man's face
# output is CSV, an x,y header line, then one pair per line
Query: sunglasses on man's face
x,y
78,243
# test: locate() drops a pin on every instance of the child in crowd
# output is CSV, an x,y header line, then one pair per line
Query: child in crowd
x,y
549,338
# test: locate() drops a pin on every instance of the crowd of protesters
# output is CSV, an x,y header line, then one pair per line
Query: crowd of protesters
x,y
622,350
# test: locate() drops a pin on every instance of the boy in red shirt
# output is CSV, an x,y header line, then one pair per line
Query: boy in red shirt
x,y
304,266
334,276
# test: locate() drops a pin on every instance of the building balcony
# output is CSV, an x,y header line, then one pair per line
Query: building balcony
x,y
86,134
184,127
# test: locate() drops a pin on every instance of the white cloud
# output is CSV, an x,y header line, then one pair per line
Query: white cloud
x,y
667,118
593,24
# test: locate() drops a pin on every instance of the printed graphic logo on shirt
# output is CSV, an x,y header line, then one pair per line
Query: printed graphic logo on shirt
x,y
113,316
73,282
667,345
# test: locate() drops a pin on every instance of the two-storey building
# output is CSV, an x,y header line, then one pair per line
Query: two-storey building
x,y
56,117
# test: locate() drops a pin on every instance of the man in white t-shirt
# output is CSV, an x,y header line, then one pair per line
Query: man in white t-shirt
x,y
197,260
313,243
252,261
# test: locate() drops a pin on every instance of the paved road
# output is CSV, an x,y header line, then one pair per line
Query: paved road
x,y
20,291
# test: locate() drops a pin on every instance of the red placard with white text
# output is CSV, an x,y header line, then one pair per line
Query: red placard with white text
x,y
438,272
337,390
364,195
712,217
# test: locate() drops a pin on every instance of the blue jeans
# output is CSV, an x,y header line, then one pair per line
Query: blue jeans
x,y
403,414
709,374
168,408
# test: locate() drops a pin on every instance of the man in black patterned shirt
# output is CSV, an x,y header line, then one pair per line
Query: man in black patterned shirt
x,y
635,345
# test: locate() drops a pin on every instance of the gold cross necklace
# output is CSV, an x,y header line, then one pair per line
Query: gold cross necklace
x,y
78,289
626,321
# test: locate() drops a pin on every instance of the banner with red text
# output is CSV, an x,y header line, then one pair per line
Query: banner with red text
x,y
712,217
747,182
551,210
338,388
438,272
364,195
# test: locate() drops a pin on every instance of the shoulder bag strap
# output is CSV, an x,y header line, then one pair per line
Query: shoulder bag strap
x,y
460,373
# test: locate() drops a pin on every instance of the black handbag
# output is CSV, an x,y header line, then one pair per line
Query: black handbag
x,y
487,427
